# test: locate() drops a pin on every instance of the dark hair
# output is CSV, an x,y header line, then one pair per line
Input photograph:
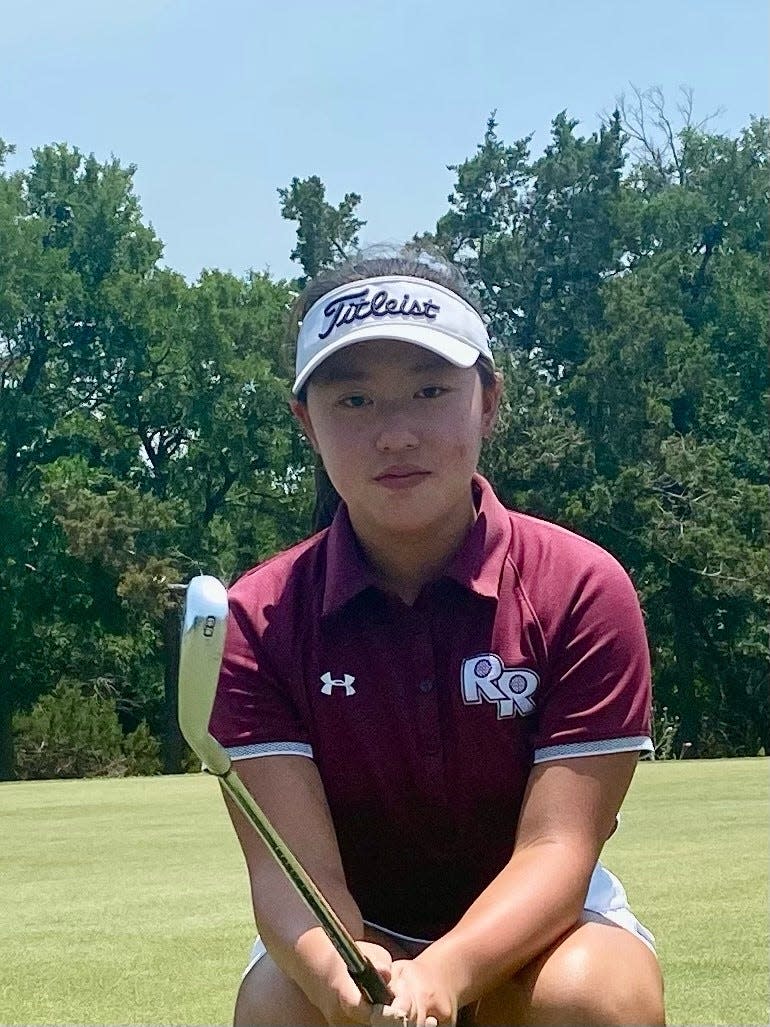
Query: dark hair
x,y
412,261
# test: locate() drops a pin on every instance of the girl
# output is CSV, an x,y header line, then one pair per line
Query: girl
x,y
438,702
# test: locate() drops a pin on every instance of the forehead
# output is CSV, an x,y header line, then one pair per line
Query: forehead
x,y
375,356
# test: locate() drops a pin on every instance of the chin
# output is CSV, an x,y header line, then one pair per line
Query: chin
x,y
403,521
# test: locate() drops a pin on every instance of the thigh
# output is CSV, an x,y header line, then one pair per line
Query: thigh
x,y
268,997
597,973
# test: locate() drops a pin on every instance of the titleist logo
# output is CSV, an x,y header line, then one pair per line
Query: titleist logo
x,y
355,306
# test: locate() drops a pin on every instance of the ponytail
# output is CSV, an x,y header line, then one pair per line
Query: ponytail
x,y
327,498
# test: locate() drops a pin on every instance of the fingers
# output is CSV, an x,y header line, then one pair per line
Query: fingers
x,y
419,999
385,1016
379,957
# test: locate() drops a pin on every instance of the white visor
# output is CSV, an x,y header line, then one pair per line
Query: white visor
x,y
391,307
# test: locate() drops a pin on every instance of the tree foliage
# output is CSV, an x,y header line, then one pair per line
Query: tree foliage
x,y
145,434
630,308
325,234
70,734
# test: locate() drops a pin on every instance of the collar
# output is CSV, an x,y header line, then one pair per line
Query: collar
x,y
477,565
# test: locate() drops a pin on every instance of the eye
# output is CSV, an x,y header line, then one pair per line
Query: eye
x,y
355,402
432,392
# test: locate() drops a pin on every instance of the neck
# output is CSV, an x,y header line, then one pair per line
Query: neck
x,y
406,563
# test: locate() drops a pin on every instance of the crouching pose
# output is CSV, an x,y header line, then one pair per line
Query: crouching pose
x,y
439,702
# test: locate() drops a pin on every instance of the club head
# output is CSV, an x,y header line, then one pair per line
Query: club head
x,y
204,626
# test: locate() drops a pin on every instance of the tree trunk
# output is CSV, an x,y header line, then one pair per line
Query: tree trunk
x,y
173,743
688,707
6,734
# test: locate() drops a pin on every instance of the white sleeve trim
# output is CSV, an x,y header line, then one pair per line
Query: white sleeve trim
x,y
640,743
245,752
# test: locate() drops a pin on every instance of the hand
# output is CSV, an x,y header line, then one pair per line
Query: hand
x,y
422,993
343,1003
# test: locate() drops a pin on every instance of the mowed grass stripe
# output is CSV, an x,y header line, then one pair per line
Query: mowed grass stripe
x,y
126,901
693,854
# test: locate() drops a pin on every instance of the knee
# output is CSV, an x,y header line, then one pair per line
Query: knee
x,y
613,1007
611,995
249,1010
267,998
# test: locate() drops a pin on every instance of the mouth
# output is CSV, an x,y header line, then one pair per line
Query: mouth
x,y
401,476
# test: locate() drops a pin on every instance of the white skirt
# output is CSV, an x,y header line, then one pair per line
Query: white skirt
x,y
606,900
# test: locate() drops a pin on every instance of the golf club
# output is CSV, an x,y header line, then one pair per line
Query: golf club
x,y
204,627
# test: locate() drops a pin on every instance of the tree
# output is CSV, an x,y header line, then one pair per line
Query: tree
x,y
144,433
202,475
538,237
483,229
325,234
673,395
65,226
629,313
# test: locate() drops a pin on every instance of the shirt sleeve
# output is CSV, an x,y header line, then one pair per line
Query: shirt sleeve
x,y
598,696
254,712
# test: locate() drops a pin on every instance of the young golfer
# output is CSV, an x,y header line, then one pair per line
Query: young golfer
x,y
438,702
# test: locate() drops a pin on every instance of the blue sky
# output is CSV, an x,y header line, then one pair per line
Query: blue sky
x,y
219,104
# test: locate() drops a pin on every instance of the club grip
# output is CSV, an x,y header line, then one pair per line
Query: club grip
x,y
371,985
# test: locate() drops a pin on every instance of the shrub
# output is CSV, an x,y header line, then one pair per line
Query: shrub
x,y
142,752
71,734
665,728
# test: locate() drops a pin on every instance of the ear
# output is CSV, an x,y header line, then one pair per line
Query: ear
x,y
302,415
491,396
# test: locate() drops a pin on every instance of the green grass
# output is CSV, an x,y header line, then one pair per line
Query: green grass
x,y
125,901
692,852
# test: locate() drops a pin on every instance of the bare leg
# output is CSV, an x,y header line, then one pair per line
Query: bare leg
x,y
268,997
597,974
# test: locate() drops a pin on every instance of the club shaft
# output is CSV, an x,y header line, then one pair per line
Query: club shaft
x,y
358,965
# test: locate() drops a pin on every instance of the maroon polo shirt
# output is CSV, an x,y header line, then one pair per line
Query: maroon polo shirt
x,y
424,721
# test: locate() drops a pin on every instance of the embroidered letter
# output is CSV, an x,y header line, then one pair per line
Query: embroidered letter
x,y
485,677
341,310
354,306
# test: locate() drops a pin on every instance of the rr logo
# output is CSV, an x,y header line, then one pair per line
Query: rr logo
x,y
345,682
485,677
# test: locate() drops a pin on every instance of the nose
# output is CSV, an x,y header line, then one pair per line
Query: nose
x,y
394,441
395,437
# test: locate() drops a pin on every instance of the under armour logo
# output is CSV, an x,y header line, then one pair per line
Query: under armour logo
x,y
485,677
346,682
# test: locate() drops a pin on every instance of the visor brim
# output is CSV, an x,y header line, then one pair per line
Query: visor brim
x,y
458,352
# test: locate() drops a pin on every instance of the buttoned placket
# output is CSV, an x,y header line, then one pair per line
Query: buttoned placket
x,y
426,696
